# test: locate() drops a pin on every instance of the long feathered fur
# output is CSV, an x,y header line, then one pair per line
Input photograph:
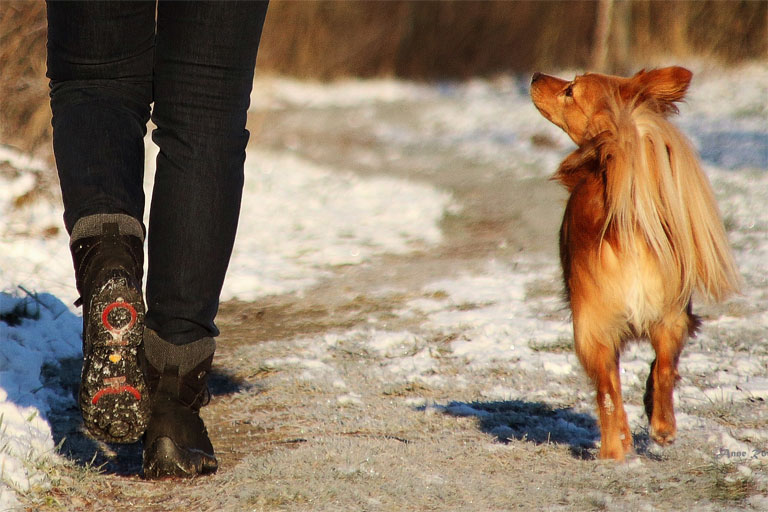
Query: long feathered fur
x,y
655,190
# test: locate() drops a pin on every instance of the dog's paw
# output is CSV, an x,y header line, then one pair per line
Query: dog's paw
x,y
663,436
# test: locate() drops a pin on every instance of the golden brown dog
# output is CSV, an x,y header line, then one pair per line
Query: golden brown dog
x,y
641,232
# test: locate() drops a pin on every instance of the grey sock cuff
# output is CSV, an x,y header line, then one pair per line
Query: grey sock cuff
x,y
91,225
160,353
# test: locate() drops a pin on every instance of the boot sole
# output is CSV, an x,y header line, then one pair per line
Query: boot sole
x,y
113,397
165,459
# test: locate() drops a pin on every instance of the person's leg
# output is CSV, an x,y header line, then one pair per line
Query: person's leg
x,y
100,67
204,62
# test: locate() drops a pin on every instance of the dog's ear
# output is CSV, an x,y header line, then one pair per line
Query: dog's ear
x,y
665,85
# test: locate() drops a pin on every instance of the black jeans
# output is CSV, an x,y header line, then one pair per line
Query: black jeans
x,y
107,63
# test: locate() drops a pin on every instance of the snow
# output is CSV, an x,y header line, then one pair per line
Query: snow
x,y
36,330
275,93
308,218
301,219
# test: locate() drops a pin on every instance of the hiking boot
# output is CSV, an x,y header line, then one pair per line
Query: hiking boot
x,y
176,443
108,254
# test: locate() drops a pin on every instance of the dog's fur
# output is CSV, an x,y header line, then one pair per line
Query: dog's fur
x,y
641,232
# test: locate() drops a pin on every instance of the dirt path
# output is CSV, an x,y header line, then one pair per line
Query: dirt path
x,y
294,434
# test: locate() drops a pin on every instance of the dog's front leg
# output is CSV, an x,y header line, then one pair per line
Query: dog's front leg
x,y
601,362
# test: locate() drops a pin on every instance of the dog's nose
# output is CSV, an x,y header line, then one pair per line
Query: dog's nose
x,y
535,77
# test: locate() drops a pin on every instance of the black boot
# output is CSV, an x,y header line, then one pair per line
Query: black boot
x,y
176,443
107,251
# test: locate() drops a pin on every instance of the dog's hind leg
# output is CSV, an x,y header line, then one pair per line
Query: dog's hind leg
x,y
601,362
667,338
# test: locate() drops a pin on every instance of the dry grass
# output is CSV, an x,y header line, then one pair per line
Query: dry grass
x,y
326,39
729,31
422,40
456,39
25,116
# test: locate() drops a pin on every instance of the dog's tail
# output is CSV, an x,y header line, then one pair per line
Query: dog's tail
x,y
656,189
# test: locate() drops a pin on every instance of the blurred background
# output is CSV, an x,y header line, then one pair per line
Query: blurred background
x,y
424,41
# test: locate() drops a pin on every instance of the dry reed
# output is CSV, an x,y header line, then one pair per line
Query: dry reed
x,y
423,40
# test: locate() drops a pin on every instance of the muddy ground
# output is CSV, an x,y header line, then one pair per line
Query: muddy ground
x,y
286,442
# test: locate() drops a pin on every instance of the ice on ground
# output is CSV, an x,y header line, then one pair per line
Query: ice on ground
x,y
300,219
391,344
281,362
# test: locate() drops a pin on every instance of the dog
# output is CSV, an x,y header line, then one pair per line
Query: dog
x,y
640,234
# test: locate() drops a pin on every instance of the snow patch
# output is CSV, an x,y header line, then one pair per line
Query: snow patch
x,y
35,330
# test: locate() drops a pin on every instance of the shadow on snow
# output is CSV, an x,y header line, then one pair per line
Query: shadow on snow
x,y
534,422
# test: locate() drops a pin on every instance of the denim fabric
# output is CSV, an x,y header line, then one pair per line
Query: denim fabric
x,y
107,63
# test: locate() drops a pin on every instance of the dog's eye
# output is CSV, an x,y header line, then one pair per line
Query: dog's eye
x,y
569,91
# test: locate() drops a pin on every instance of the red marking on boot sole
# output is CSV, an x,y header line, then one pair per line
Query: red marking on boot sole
x,y
115,390
108,310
